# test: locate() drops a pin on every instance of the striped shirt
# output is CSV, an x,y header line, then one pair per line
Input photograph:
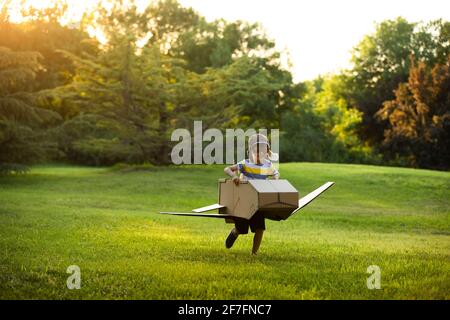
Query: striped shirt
x,y
254,171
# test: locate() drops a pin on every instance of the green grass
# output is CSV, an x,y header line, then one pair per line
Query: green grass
x,y
106,222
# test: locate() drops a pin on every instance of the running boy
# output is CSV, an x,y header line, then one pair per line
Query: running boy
x,y
257,166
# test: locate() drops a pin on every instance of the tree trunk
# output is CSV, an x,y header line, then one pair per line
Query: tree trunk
x,y
163,152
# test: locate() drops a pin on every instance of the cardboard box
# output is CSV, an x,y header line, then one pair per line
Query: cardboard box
x,y
275,199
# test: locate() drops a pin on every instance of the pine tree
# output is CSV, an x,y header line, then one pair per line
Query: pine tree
x,y
132,93
124,94
22,140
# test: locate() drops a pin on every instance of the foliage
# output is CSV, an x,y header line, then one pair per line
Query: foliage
x,y
322,128
419,117
381,62
22,139
131,95
163,66
42,32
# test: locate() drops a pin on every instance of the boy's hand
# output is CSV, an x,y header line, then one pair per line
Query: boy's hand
x,y
236,180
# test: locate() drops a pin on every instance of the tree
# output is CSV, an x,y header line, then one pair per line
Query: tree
x,y
123,94
339,119
121,99
241,94
207,47
41,31
322,127
139,93
419,117
380,63
216,44
22,123
303,137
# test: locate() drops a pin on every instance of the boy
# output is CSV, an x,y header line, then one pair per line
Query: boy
x,y
257,166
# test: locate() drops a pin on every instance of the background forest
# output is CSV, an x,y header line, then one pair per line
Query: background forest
x,y
66,96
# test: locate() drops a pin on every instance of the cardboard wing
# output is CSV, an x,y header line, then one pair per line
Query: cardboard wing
x,y
274,199
303,202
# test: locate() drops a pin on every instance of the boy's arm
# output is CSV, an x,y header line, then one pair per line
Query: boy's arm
x,y
232,171
276,174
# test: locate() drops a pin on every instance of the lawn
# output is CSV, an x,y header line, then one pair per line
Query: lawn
x,y
105,221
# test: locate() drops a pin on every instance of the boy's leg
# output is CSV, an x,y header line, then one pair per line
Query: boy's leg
x,y
235,231
257,240
257,225
231,238
240,227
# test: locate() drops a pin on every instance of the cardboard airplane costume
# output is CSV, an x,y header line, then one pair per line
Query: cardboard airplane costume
x,y
274,199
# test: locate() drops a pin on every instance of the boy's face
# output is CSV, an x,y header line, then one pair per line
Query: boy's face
x,y
259,152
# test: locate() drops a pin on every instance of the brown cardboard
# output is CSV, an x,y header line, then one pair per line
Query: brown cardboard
x,y
245,200
275,199
240,201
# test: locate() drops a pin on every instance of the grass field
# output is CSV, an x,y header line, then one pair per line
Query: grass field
x,y
106,222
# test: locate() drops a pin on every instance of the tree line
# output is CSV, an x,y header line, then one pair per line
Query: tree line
x,y
65,96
